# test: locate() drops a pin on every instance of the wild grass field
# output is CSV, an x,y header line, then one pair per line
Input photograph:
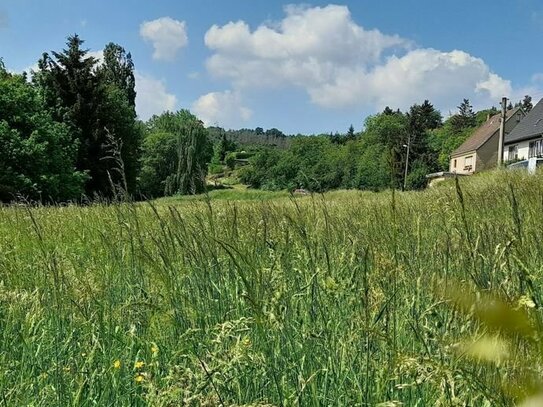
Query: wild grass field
x,y
348,298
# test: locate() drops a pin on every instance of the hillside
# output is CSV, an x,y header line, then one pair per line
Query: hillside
x,y
250,137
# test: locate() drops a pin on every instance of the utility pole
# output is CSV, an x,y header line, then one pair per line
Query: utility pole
x,y
502,131
406,162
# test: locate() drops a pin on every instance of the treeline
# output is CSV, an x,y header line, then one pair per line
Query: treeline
x,y
251,137
374,159
70,133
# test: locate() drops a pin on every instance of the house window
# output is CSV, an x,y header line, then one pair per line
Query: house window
x,y
468,163
536,149
513,152
454,163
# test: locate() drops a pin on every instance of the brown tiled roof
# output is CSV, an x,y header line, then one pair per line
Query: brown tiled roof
x,y
483,133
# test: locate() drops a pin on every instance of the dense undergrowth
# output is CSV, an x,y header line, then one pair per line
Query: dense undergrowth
x,y
336,299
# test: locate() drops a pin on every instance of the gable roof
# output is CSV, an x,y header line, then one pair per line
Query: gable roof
x,y
483,133
530,126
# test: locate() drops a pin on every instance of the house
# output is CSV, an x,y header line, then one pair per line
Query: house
x,y
526,140
480,151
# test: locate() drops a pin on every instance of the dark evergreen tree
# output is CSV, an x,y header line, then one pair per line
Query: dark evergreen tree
x,y
73,93
98,103
350,133
465,117
526,103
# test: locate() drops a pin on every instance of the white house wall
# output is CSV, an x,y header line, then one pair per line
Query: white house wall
x,y
523,150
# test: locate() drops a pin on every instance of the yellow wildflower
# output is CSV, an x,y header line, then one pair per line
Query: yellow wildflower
x,y
139,378
139,364
117,364
154,350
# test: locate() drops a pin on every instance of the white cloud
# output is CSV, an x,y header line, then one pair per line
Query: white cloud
x,y
221,108
341,64
303,49
167,35
442,77
98,55
31,68
152,96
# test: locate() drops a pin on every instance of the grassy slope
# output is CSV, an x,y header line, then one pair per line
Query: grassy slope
x,y
322,300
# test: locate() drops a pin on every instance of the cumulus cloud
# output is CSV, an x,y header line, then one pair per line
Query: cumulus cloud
x,y
341,64
304,48
221,108
152,96
442,77
168,37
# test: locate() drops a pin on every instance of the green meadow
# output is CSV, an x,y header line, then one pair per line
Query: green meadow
x,y
241,298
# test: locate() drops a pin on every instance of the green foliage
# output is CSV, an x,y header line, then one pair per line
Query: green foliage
x,y
98,104
416,178
374,160
230,160
248,138
118,114
38,156
176,152
465,117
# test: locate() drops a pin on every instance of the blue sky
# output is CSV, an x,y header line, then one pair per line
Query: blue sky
x,y
301,67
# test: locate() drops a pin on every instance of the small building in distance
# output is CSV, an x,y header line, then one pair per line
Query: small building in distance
x,y
480,151
526,140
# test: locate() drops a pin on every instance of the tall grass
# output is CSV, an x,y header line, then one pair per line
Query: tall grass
x,y
321,300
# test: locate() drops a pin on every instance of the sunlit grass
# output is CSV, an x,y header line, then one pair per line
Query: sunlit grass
x,y
255,298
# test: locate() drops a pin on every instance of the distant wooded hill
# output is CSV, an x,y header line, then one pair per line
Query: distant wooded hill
x,y
252,137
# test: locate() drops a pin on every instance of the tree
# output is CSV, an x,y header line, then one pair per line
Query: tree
x,y
423,119
176,152
526,103
72,93
350,133
230,161
117,115
98,104
273,132
465,117
385,136
37,153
